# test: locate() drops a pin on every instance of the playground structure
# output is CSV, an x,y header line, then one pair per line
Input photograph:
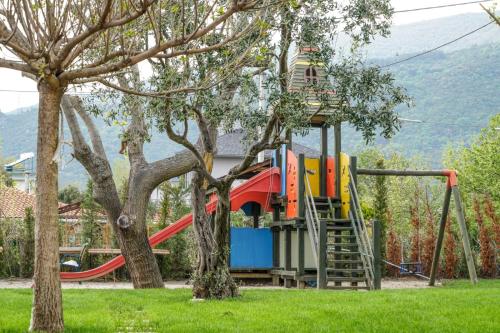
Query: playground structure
x,y
314,238
318,235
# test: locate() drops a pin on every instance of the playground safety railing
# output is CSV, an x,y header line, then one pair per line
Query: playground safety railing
x,y
361,234
312,220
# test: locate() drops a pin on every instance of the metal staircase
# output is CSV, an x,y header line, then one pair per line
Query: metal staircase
x,y
348,248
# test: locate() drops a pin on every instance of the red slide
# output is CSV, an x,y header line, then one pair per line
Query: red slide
x,y
257,189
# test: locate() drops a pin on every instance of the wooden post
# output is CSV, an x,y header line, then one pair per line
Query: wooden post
x,y
377,255
288,248
255,214
338,147
465,234
276,245
323,159
439,241
300,249
354,169
276,238
322,246
287,281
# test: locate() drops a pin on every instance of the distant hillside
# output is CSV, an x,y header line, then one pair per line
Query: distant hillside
x,y
456,91
455,95
424,35
18,134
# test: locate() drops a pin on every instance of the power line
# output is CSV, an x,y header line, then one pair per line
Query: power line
x,y
440,6
438,47
432,123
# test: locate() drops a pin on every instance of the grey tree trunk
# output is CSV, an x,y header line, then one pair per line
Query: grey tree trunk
x,y
212,278
47,312
131,229
128,219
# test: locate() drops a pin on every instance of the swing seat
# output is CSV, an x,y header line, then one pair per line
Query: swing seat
x,y
410,268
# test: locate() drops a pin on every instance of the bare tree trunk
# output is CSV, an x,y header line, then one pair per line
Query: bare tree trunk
x,y
212,278
47,312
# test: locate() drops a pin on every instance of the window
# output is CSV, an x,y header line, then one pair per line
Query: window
x,y
310,76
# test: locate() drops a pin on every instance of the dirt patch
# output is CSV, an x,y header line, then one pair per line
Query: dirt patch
x,y
406,283
403,283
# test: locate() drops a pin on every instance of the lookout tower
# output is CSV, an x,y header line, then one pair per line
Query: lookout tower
x,y
317,222
308,76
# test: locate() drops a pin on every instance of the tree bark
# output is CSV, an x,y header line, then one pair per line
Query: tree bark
x,y
131,229
212,278
47,312
128,219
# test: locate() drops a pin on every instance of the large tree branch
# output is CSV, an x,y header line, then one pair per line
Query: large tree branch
x,y
135,59
136,131
256,148
16,66
164,94
13,40
182,140
98,27
96,165
95,137
168,168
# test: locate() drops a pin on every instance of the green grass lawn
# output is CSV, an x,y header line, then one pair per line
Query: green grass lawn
x,y
456,307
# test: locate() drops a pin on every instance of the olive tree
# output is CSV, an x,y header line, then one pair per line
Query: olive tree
x,y
60,43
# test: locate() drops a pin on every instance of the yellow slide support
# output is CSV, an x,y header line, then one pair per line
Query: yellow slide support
x,y
345,197
313,165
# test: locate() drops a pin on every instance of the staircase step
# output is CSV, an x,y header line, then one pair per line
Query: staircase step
x,y
348,287
346,261
338,228
342,236
345,270
325,199
342,244
346,279
345,253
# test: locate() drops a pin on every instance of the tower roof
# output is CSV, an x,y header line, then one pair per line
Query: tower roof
x,y
310,77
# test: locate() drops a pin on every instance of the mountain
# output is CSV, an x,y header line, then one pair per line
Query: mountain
x,y
18,135
455,94
424,35
455,91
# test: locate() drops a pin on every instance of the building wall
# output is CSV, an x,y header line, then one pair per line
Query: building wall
x,y
222,165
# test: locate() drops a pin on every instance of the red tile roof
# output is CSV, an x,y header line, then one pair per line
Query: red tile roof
x,y
13,203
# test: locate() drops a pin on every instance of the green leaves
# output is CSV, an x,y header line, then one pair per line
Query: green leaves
x,y
368,97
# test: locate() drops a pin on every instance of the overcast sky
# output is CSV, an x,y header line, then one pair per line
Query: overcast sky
x,y
12,80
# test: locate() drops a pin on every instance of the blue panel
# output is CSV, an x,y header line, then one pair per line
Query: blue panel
x,y
251,248
283,169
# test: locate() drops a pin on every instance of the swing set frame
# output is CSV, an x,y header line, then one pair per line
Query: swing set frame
x,y
451,189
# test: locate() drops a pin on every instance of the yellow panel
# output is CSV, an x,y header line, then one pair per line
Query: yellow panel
x,y
345,197
312,164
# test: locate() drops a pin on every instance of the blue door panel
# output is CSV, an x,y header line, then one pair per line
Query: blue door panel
x,y
251,248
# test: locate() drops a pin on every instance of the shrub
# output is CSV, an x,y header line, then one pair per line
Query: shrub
x,y
450,252
393,247
487,252
429,242
27,245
